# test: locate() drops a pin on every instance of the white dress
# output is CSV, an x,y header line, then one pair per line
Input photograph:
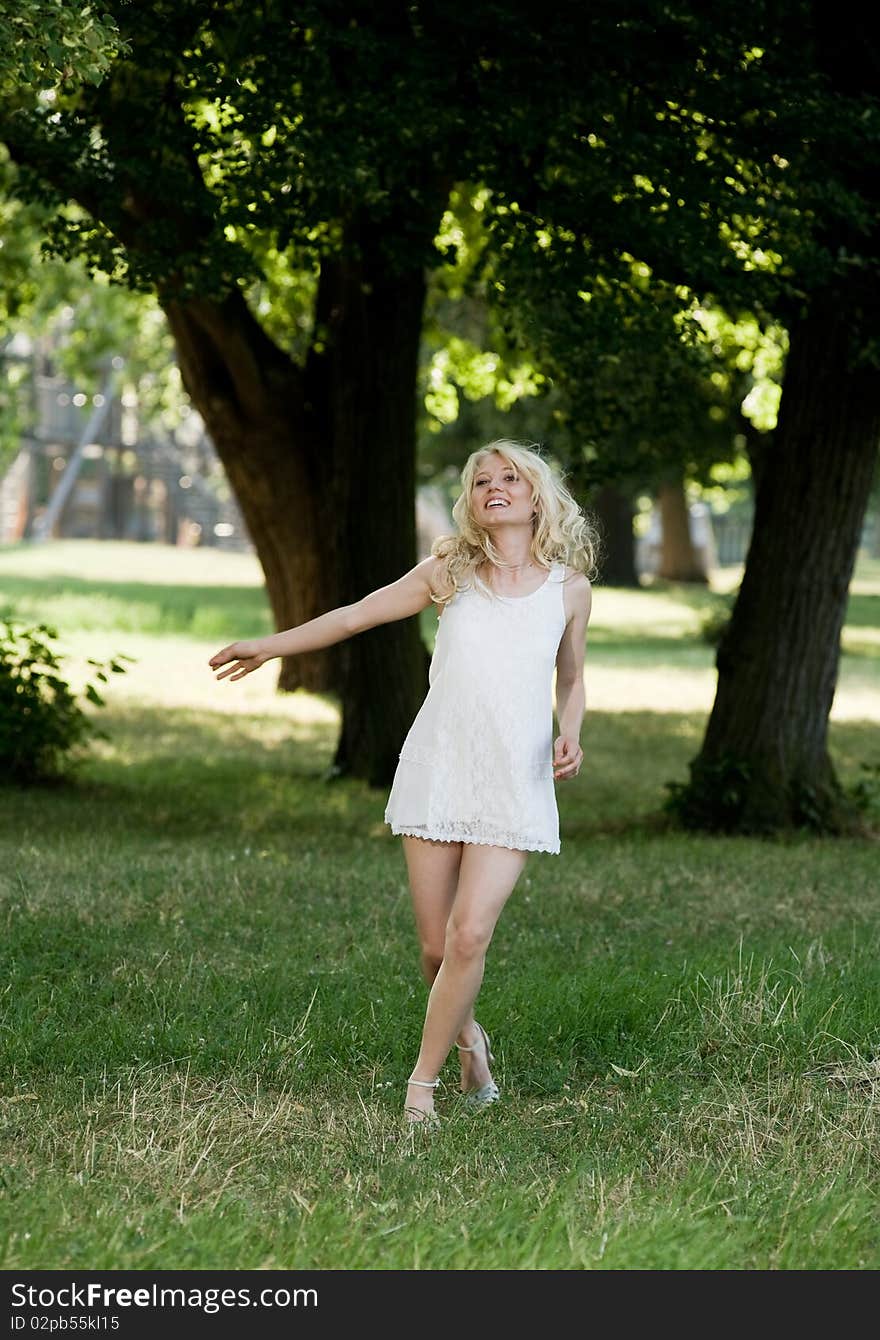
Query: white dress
x,y
477,763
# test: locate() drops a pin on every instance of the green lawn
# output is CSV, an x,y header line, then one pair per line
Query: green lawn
x,y
210,1000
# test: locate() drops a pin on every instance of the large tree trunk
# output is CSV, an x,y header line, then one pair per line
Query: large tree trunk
x,y
615,510
764,763
361,389
678,558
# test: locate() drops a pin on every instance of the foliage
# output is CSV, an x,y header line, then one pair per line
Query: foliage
x,y
629,380
41,722
722,178
473,385
79,320
232,139
231,135
45,42
696,171
45,45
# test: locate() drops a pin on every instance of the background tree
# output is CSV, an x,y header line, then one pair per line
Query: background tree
x,y
750,180
765,763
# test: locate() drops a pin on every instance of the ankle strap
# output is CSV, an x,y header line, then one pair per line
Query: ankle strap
x,y
424,1083
481,1041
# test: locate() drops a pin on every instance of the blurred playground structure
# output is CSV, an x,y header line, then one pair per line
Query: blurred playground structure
x,y
88,467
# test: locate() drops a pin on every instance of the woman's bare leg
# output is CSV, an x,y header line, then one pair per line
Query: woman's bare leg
x,y
486,879
433,869
433,879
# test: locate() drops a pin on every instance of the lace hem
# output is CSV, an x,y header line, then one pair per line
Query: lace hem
x,y
470,833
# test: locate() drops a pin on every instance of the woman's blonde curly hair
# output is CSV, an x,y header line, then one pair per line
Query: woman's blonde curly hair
x,y
561,531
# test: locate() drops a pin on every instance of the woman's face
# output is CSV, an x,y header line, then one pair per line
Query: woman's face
x,y
500,496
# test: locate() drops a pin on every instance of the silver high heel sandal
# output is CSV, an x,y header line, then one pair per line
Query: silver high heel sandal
x,y
487,1093
414,1115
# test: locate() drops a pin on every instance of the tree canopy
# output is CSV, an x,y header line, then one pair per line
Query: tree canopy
x,y
44,43
641,167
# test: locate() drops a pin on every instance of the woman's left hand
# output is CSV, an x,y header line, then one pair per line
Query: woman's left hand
x,y
567,758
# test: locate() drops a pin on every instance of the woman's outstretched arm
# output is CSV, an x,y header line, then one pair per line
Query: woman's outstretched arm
x,y
409,594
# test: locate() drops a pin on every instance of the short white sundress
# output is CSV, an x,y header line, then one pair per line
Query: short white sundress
x,y
477,763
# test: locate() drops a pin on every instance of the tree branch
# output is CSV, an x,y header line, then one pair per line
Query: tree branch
x,y
240,360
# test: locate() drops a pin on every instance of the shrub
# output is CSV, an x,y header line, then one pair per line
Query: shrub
x,y
41,721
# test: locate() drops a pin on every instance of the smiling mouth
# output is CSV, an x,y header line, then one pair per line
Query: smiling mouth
x,y
497,502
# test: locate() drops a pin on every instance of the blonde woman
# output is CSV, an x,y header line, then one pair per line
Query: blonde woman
x,y
473,792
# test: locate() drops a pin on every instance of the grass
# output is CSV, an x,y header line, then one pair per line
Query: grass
x,y
210,998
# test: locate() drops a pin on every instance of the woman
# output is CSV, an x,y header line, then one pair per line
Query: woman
x,y
473,791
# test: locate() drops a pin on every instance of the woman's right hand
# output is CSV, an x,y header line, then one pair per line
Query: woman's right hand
x,y
240,658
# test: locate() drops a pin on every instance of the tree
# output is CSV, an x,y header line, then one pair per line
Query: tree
x,y
764,763
325,137
715,150
750,180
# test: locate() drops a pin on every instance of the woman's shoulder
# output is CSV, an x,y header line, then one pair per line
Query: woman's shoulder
x,y
431,565
436,568
578,593
575,579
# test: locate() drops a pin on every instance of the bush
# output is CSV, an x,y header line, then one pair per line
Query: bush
x,y
41,721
